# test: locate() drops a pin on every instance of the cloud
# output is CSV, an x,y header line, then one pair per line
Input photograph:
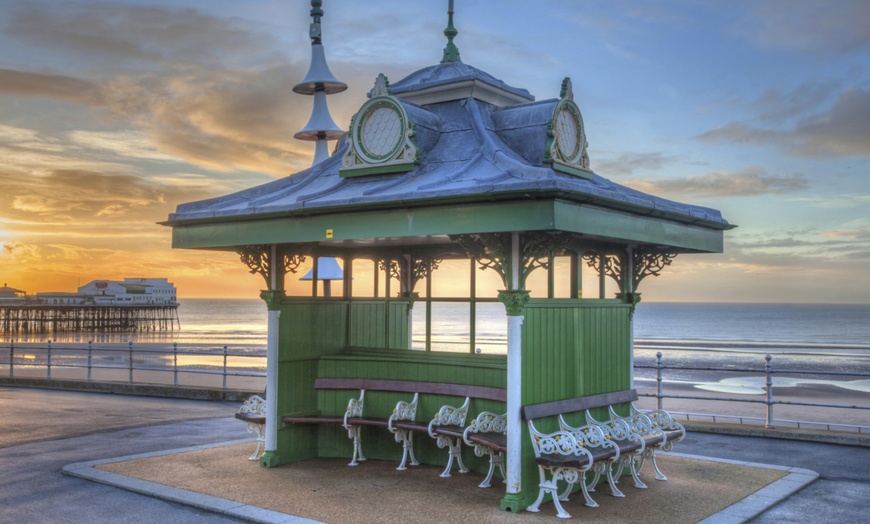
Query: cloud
x,y
126,144
837,201
137,34
844,130
20,83
76,193
776,105
751,183
70,202
627,163
221,119
818,27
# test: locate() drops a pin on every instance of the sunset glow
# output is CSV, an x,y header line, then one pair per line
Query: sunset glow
x,y
759,109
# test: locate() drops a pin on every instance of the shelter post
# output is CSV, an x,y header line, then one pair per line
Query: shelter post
x,y
514,299
272,262
273,301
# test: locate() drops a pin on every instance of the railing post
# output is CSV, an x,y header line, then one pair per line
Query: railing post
x,y
659,379
49,360
768,370
11,358
131,361
175,363
225,367
90,355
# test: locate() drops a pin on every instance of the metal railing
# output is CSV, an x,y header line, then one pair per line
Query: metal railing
x,y
769,401
139,365
143,365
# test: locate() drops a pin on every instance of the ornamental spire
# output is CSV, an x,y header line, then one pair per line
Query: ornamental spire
x,y
319,82
451,52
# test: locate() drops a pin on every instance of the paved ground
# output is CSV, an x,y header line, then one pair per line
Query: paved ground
x,y
32,488
841,494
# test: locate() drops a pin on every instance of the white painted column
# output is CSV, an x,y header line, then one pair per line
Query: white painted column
x,y
628,285
514,404
272,381
514,380
272,360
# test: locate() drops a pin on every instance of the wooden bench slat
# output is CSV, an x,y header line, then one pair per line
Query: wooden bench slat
x,y
570,405
365,421
252,418
313,419
412,386
496,441
562,461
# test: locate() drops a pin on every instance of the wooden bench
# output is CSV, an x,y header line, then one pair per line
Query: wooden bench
x,y
656,427
446,427
253,414
627,441
567,456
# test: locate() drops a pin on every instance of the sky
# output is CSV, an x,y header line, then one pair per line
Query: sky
x,y
112,113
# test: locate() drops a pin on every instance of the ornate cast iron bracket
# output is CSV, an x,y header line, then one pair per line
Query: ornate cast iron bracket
x,y
417,268
493,251
646,262
612,265
258,259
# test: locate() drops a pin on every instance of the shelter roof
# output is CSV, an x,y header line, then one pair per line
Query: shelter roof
x,y
464,145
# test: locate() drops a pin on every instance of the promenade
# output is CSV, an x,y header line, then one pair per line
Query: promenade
x,y
43,431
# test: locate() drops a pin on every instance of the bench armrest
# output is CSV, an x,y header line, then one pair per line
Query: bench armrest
x,y
354,407
557,443
617,429
255,405
449,416
661,419
486,422
403,411
637,422
591,435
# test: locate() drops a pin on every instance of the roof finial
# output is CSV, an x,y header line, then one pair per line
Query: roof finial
x,y
316,13
451,52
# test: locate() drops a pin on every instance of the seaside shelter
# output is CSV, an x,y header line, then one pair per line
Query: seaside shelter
x,y
448,164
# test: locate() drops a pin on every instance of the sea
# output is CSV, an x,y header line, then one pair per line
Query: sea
x,y
825,337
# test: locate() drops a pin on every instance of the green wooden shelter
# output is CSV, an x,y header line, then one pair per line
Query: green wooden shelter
x,y
447,163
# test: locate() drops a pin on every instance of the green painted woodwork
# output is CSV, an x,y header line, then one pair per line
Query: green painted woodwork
x,y
369,326
454,219
310,329
616,226
402,364
570,348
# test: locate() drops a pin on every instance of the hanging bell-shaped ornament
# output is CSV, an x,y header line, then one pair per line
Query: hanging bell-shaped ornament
x,y
319,77
320,126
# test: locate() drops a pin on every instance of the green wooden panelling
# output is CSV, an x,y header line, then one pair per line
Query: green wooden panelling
x,y
308,329
405,365
570,348
369,326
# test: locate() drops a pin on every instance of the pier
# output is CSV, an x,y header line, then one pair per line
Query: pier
x,y
42,318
